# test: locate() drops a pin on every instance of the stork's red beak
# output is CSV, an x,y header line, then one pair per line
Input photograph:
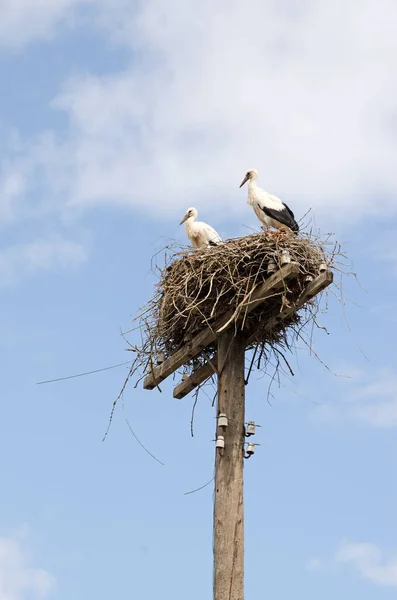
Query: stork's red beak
x,y
244,181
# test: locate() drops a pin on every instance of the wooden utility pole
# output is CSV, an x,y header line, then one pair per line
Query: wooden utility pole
x,y
228,364
229,505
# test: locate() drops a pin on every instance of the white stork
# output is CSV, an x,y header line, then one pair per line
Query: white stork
x,y
200,234
268,208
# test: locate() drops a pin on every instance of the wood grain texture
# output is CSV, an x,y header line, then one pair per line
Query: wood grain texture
x,y
229,504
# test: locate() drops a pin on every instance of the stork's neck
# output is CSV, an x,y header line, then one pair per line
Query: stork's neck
x,y
189,223
251,190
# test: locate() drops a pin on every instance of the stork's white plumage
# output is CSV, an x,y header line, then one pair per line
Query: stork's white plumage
x,y
200,234
269,209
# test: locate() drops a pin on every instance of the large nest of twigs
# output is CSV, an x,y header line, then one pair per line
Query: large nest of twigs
x,y
198,287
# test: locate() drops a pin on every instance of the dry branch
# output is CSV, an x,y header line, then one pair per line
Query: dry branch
x,y
199,292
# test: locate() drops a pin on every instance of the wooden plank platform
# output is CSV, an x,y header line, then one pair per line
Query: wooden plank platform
x,y
198,377
271,286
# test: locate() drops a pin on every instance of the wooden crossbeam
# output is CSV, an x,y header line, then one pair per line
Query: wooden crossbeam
x,y
313,288
318,284
194,380
209,334
198,377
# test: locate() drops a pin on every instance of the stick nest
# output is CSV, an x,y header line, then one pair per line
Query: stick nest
x,y
197,287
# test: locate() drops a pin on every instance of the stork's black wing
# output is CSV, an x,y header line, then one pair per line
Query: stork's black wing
x,y
289,210
285,216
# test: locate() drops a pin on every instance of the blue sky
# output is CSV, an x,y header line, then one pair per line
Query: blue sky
x,y
114,118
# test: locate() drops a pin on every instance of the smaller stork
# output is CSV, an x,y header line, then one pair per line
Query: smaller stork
x,y
268,208
200,234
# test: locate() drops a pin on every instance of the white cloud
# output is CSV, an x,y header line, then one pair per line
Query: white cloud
x,y
369,397
33,176
314,564
18,580
367,559
25,20
291,88
213,88
21,260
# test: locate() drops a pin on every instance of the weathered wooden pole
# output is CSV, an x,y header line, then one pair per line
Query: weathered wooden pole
x,y
228,362
229,505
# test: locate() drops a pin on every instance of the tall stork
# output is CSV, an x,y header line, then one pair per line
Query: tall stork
x,y
200,234
269,209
